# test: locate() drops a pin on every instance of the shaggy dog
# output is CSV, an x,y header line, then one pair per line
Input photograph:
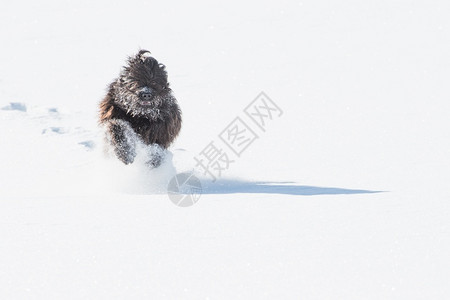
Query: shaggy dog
x,y
140,107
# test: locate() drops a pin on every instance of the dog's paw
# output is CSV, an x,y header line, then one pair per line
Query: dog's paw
x,y
154,162
156,156
126,154
122,139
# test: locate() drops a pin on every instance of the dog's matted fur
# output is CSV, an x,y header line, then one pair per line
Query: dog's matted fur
x,y
139,106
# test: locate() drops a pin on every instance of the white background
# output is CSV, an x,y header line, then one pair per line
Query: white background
x,y
364,90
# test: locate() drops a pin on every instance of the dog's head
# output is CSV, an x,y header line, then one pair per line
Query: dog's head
x,y
142,88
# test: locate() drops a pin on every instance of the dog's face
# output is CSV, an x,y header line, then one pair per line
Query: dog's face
x,y
142,88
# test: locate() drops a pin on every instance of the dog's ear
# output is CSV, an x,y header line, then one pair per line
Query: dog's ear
x,y
143,55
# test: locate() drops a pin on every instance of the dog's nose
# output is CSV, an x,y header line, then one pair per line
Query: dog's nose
x,y
146,96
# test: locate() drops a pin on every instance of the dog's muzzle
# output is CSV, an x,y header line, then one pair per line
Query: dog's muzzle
x,y
145,97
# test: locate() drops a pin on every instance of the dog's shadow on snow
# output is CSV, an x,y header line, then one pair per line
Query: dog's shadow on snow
x,y
234,186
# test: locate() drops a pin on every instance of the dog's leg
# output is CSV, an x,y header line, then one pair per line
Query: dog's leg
x,y
123,140
156,156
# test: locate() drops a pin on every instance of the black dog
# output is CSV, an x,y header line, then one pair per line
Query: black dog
x,y
140,107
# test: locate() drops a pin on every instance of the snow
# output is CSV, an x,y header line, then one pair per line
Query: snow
x,y
343,196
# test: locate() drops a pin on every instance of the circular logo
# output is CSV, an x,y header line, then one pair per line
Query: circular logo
x,y
184,189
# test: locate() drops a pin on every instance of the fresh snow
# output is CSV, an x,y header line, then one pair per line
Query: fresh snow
x,y
343,196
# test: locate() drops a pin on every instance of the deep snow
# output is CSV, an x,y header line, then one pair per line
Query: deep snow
x,y
344,196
